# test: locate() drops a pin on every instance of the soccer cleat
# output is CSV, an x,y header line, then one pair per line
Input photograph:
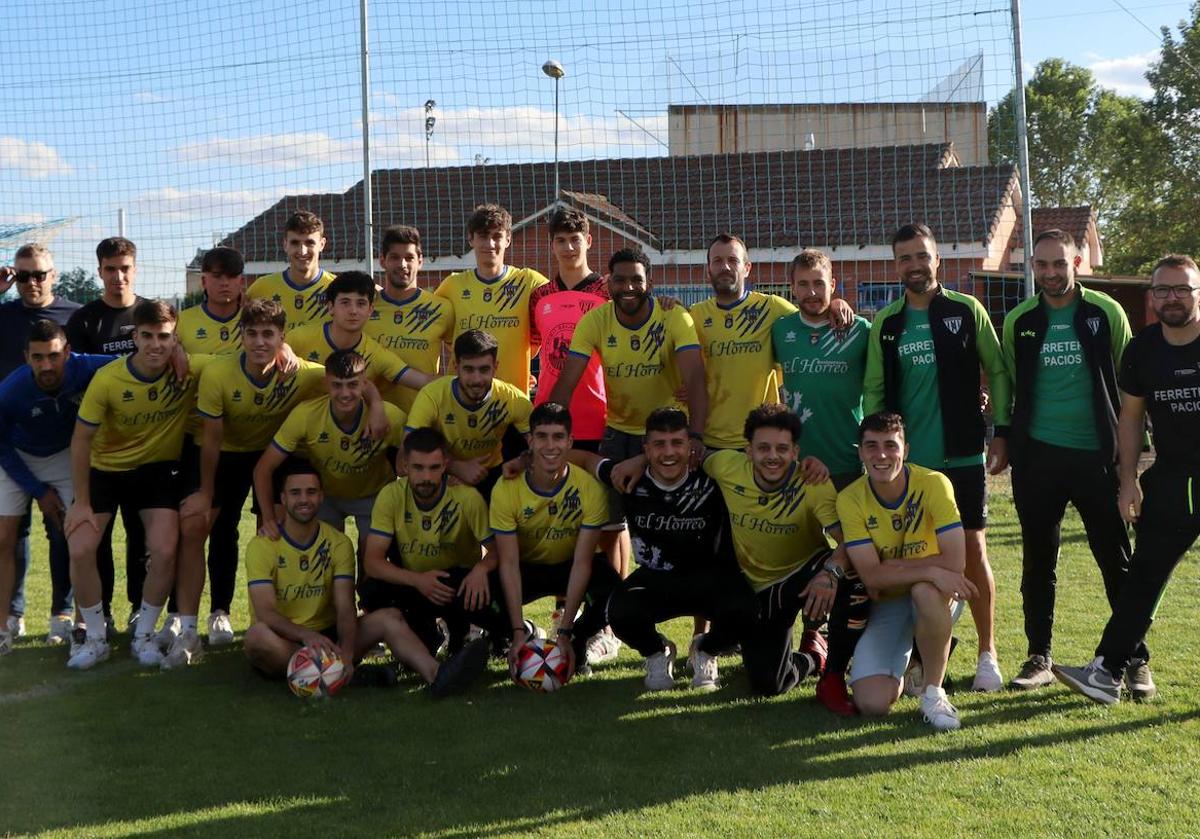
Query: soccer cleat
x,y
88,653
1093,681
937,710
987,674
220,630
146,650
704,667
16,626
374,676
1139,681
833,694
171,628
914,679
184,650
59,632
660,669
459,672
6,642
603,646
1035,673
816,648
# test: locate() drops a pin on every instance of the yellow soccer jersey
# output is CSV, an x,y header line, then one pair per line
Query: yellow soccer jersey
x,y
907,529
200,331
351,466
312,343
302,575
774,533
739,365
471,430
639,362
251,410
446,534
414,330
501,308
139,420
548,524
301,304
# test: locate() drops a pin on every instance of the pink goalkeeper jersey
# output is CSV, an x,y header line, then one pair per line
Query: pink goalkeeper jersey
x,y
554,312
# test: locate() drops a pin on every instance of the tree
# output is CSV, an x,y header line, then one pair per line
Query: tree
x,y
78,284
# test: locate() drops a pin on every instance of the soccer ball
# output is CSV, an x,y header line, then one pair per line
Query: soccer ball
x,y
541,666
313,671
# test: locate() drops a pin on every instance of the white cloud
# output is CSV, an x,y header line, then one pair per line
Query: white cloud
x,y
149,97
172,204
31,158
1126,75
272,151
22,218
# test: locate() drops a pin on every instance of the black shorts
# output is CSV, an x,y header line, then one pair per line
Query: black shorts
x,y
970,494
618,446
151,486
234,478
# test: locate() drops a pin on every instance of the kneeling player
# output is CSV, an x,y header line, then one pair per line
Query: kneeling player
x,y
905,539
302,594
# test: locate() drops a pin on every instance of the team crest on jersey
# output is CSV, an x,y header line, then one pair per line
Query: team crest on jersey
x,y
303,562
299,301
153,394
224,333
897,522
127,396
953,324
729,321
345,444
202,332
1094,325
237,396
426,522
398,318
487,296
612,340
635,343
258,399
472,422
814,337
763,500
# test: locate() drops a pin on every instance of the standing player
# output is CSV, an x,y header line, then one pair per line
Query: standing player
x,y
212,327
494,297
1159,373
125,451
474,410
1063,349
406,320
443,547
300,289
905,538
923,362
302,594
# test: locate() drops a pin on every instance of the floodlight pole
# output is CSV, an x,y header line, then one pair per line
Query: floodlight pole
x,y
1023,152
368,234
555,70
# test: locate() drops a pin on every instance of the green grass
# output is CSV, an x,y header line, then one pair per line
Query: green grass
x,y
217,751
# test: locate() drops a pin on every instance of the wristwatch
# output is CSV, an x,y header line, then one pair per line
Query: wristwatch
x,y
569,634
836,570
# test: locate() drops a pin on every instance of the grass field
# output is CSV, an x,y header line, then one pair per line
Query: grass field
x,y
217,751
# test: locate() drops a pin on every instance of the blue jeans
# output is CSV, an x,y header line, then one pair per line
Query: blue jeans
x,y
62,599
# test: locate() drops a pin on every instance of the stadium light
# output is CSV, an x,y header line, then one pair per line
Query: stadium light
x,y
430,122
555,70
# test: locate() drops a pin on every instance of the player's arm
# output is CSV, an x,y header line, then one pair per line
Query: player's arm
x,y
378,424
821,591
572,371
879,576
264,473
577,584
873,392
347,619
1131,426
376,564
509,554
200,502
81,462
474,589
262,598
991,356
691,373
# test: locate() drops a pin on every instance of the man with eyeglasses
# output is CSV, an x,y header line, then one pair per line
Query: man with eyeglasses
x,y
33,273
1160,376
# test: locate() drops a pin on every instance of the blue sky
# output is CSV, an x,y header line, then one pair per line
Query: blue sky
x,y
194,117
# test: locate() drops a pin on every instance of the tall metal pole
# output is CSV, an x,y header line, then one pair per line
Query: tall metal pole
x,y
121,222
556,192
368,233
1023,152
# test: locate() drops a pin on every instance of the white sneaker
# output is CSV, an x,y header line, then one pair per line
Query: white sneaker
x,y
6,642
59,632
914,679
937,709
146,650
602,647
16,625
987,674
171,628
220,629
185,649
660,669
704,667
88,654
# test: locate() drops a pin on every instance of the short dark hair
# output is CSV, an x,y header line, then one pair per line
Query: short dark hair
x,y
263,311
292,466
304,221
568,220
773,415
1056,235
425,440
811,259
882,422
476,342
45,330
400,234
350,282
916,230
487,217
115,246
1175,260
150,312
345,364
550,413
666,420
726,239
630,255
227,262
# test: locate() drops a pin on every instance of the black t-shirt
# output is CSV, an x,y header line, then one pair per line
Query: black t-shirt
x,y
1168,378
15,320
677,528
101,328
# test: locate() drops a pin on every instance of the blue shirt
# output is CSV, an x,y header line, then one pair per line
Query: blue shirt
x,y
38,423
15,320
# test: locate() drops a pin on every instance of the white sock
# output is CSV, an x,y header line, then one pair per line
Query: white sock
x,y
147,619
187,623
93,618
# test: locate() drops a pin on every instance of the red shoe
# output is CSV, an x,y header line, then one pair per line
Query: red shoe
x,y
814,645
832,693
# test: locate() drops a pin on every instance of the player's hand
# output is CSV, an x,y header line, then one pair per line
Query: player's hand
x,y
179,363
8,276
997,456
818,596
78,516
985,399
813,470
269,528
513,468
430,584
520,636
474,589
680,394
52,508
1129,500
318,641
953,585
841,315
568,650
668,302
626,473
347,656
696,456
197,504
285,361
378,425
470,472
